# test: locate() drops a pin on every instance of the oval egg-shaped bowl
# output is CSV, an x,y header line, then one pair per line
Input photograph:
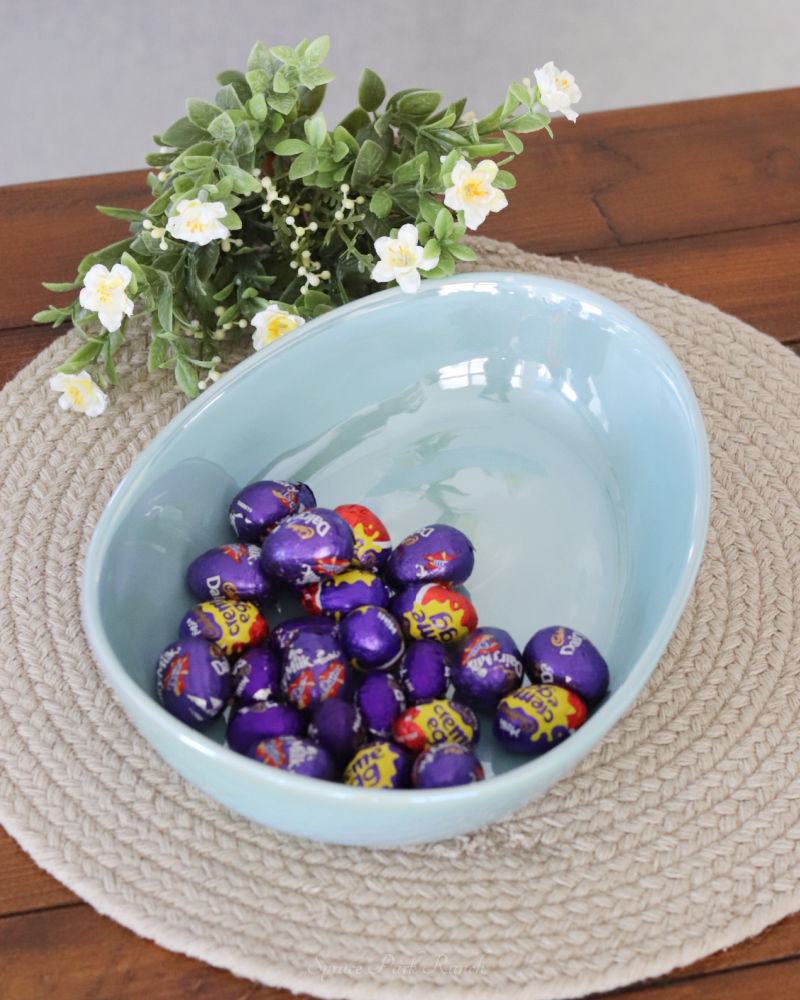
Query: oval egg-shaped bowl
x,y
552,426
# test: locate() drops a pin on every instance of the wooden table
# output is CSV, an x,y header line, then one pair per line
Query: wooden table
x,y
703,196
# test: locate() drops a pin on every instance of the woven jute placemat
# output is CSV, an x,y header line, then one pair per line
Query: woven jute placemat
x,y
678,835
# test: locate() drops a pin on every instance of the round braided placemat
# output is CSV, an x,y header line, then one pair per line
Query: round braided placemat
x,y
678,835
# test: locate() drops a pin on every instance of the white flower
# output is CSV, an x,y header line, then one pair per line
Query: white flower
x,y
401,259
198,222
558,90
472,191
271,323
80,393
103,292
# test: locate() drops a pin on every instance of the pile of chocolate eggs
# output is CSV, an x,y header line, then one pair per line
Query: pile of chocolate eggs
x,y
358,688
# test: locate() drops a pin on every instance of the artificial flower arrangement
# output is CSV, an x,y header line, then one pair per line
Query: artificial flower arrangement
x,y
263,218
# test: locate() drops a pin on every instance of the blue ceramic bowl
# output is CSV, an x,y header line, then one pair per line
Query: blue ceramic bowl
x,y
552,426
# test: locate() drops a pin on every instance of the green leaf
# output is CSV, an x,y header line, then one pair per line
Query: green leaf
x,y
127,214
222,127
183,133
159,159
259,58
418,104
371,90
133,265
517,93
85,355
340,134
309,101
340,151
380,204
316,51
431,250
315,76
257,107
257,80
291,147
358,118
285,53
461,252
48,315
303,165
411,171
368,163
108,256
315,130
200,113
243,142
207,257
165,305
485,149
514,142
186,377
243,182
229,99
280,84
157,353
281,102
61,286
504,180
443,226
529,122
491,122
429,209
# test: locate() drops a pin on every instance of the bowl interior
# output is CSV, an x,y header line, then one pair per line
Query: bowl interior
x,y
550,425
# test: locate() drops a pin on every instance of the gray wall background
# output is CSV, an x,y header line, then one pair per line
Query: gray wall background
x,y
86,84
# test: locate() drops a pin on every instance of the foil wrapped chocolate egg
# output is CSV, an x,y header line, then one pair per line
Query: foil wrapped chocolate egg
x,y
193,681
307,547
336,725
431,611
256,509
296,754
534,719
562,656
256,675
229,571
314,669
262,721
372,638
436,721
380,700
233,625
337,595
380,764
285,632
372,542
489,666
444,765
424,670
437,553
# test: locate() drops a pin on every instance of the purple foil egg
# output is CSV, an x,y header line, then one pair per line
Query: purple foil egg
x,y
564,657
433,611
257,675
424,670
436,721
437,553
315,669
336,725
307,547
489,666
372,638
293,753
193,681
381,700
285,632
233,625
446,764
380,765
337,595
230,571
534,719
256,509
262,721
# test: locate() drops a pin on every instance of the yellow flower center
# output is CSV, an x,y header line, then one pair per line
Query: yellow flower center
x,y
475,188
106,288
401,256
195,225
75,392
280,325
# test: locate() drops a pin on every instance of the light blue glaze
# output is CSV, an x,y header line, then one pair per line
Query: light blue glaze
x,y
552,426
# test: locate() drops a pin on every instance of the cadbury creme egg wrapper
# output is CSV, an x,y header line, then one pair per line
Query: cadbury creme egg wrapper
x,y
257,675
437,553
372,542
372,638
424,670
262,720
314,669
380,700
337,595
256,509
490,666
193,681
232,625
336,725
380,765
444,765
285,632
308,546
563,656
436,721
432,611
229,571
296,754
532,720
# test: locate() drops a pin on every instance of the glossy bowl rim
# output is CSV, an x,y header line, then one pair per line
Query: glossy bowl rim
x,y
542,770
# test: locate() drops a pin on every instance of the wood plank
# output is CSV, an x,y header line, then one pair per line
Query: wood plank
x,y
776,981
18,347
25,886
644,174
